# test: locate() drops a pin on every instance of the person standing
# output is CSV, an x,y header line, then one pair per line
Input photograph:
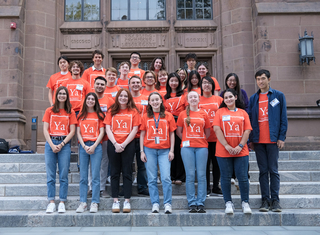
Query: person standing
x,y
156,65
150,81
157,146
96,70
59,125
203,70
191,60
111,88
58,78
268,116
135,59
123,81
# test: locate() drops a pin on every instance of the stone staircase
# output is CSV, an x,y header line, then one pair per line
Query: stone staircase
x,y
23,198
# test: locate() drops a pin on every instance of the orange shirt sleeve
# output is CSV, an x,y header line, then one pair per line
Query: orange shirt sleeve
x,y
108,118
73,118
46,116
171,121
180,119
136,119
216,84
143,123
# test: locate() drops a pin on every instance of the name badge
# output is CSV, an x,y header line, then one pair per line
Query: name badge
x,y
186,143
274,102
144,102
137,72
157,140
114,94
104,108
79,87
226,118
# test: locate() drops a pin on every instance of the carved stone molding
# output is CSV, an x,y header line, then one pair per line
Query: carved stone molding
x,y
80,30
196,40
185,29
138,30
81,41
144,40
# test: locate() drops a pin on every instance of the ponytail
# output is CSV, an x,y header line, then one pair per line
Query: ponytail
x,y
188,120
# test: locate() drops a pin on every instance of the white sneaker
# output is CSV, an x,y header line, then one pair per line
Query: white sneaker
x,y
116,207
82,207
126,207
167,208
246,208
233,181
135,181
51,207
61,208
158,180
229,208
93,207
155,208
109,179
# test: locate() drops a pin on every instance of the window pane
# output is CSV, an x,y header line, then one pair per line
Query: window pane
x,y
189,3
199,14
189,14
181,15
181,3
119,10
91,10
199,3
207,3
157,10
73,10
207,13
138,9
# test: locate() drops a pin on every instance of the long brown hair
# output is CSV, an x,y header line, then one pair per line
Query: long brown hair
x,y
115,108
149,107
96,108
157,86
67,105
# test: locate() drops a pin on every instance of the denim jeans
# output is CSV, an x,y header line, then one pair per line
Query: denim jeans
x,y
142,178
154,157
103,169
267,158
63,159
240,166
195,159
95,162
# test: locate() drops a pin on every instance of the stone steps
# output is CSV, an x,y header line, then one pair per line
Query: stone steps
x,y
144,218
144,203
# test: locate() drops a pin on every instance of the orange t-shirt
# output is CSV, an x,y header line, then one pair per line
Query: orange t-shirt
x,y
216,84
142,104
90,127
105,103
210,106
233,125
194,133
137,72
263,119
123,83
89,75
55,81
175,105
122,123
166,125
111,92
198,90
162,91
147,93
78,89
59,123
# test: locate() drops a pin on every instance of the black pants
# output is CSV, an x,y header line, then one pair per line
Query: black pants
x,y
177,167
215,167
142,178
121,162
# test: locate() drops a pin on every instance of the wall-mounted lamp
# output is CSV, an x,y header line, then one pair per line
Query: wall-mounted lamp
x,y
306,48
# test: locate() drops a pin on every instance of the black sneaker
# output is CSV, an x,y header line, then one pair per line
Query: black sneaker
x,y
265,206
193,209
217,191
275,207
208,192
143,192
201,209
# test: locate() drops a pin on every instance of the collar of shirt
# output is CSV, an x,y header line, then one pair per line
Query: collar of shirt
x,y
94,68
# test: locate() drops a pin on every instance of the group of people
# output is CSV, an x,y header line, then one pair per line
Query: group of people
x,y
175,123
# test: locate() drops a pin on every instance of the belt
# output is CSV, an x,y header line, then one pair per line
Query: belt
x,y
58,137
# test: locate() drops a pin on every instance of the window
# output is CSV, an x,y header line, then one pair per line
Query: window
x,y
138,10
82,10
194,9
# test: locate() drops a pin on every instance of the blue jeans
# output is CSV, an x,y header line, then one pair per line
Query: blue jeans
x,y
195,159
267,158
240,166
142,178
155,156
63,159
95,162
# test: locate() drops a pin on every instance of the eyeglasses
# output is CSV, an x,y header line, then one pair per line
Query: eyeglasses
x,y
149,77
206,83
231,80
135,57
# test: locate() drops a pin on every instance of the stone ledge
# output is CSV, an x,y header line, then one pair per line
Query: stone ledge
x,y
81,27
137,26
287,8
10,11
195,26
303,112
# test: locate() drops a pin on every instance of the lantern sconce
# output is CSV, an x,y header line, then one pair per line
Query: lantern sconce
x,y
306,48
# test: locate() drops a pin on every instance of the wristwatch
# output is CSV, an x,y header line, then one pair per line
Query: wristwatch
x,y
240,145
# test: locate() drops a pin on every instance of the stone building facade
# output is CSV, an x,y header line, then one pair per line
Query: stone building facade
x,y
241,36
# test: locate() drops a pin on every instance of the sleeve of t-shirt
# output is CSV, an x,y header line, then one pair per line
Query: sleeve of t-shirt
x,y
143,123
87,87
46,116
73,118
207,121
101,123
85,75
216,120
180,120
247,124
49,84
107,119
216,84
172,123
136,118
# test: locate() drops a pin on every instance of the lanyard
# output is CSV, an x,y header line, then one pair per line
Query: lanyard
x,y
156,122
